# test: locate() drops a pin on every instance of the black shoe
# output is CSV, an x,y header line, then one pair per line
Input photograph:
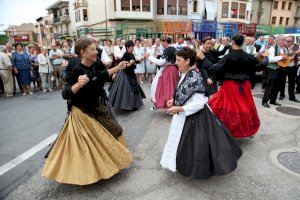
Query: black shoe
x,y
281,97
275,103
265,104
294,100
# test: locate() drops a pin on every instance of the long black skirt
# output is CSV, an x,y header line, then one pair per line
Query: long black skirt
x,y
206,147
126,93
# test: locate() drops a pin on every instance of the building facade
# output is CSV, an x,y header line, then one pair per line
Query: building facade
x,y
59,20
283,13
107,18
235,11
25,33
276,12
261,12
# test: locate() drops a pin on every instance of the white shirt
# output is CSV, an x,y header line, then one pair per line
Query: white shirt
x,y
119,52
272,57
104,57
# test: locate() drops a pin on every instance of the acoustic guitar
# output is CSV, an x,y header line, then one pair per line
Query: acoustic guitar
x,y
285,62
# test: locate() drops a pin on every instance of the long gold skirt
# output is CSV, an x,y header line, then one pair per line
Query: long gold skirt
x,y
85,152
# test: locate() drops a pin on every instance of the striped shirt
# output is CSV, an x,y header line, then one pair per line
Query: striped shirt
x,y
4,61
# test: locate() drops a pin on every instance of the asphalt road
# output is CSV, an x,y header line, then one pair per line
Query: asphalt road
x,y
26,121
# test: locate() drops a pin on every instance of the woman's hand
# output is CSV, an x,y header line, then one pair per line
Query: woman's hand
x,y
131,62
174,110
170,103
16,70
83,80
200,55
209,81
122,65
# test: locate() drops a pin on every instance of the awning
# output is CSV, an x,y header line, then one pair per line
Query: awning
x,y
210,10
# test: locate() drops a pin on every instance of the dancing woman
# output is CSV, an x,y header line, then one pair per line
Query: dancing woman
x,y
212,55
126,93
198,145
233,103
91,145
166,78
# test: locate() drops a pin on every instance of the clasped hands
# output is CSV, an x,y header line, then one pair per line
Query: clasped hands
x,y
172,110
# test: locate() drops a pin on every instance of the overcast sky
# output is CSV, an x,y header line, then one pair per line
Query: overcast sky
x,y
16,12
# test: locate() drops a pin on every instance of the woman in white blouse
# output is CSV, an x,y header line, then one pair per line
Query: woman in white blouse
x,y
198,146
45,69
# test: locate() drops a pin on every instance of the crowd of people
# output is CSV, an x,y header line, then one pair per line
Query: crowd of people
x,y
206,86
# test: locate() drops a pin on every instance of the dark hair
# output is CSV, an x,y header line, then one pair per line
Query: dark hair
x,y
206,39
187,39
272,36
108,40
166,39
238,39
179,36
129,43
187,53
17,44
82,44
138,39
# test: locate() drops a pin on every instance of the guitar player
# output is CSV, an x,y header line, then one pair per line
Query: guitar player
x,y
290,71
276,53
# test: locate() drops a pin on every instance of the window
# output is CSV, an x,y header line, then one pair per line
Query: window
x,y
275,5
125,5
146,5
242,11
115,5
172,7
234,9
136,6
77,16
85,15
273,20
225,8
160,7
195,6
283,5
182,7
290,5
280,20
287,21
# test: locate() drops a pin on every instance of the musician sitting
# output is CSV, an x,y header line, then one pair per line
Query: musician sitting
x,y
276,53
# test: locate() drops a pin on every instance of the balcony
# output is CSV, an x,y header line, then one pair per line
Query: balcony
x,y
78,4
50,22
65,19
56,20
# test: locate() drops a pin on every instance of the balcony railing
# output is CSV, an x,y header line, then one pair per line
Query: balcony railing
x,y
65,18
56,20
78,4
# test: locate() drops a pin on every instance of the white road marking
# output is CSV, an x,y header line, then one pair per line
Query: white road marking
x,y
18,160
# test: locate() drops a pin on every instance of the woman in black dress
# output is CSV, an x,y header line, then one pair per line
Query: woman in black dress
x,y
126,93
91,145
198,145
212,56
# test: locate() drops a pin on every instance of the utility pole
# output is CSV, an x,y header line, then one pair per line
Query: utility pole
x,y
105,18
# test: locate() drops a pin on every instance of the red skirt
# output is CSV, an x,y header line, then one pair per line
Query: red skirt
x,y
166,86
233,104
